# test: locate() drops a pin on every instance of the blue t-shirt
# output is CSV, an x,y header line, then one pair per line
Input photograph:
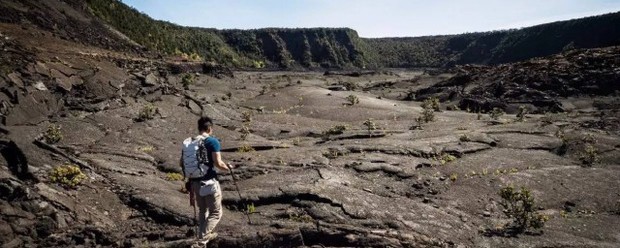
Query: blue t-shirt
x,y
213,145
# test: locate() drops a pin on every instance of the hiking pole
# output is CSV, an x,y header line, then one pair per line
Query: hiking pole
x,y
232,173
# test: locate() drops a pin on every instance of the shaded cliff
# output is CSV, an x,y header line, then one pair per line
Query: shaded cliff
x,y
498,46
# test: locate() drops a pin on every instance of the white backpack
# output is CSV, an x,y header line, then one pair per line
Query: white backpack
x,y
195,160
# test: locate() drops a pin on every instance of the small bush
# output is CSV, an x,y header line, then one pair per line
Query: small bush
x,y
263,90
453,177
464,138
521,114
351,86
496,113
246,116
300,217
589,156
250,208
187,80
245,148
68,175
446,158
53,134
333,153
147,148
173,176
147,112
432,103
370,125
245,131
428,115
520,206
337,129
353,99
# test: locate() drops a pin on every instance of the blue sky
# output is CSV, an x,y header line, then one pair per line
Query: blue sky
x,y
373,18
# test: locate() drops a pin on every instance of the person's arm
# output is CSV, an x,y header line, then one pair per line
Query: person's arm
x,y
217,156
181,164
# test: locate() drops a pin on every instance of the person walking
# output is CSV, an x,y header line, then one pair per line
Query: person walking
x,y
199,160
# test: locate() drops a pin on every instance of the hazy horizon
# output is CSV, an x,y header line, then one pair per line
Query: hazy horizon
x,y
373,19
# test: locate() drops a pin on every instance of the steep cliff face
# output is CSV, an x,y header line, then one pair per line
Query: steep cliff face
x,y
318,47
275,48
111,24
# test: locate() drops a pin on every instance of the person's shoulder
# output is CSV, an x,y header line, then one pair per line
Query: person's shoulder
x,y
212,139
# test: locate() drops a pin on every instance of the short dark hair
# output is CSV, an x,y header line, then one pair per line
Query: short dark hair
x,y
204,124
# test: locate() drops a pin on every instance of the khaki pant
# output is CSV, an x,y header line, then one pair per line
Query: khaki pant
x,y
209,209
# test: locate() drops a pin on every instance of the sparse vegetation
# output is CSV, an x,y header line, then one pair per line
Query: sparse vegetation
x,y
432,103
519,205
337,129
53,134
589,156
68,176
300,217
187,80
246,116
464,138
147,148
428,115
147,112
333,153
353,99
454,177
445,158
351,86
370,125
245,148
174,176
250,208
496,113
245,131
521,114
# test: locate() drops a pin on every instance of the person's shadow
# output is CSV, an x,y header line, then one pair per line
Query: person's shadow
x,y
15,159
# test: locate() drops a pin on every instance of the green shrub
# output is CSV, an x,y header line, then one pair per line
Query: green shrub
x,y
250,208
519,205
446,158
464,138
428,115
187,79
173,176
147,112
353,99
68,175
53,134
432,103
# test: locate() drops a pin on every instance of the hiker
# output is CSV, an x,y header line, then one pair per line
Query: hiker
x,y
199,160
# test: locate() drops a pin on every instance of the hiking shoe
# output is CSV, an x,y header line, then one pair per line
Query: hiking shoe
x,y
210,236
